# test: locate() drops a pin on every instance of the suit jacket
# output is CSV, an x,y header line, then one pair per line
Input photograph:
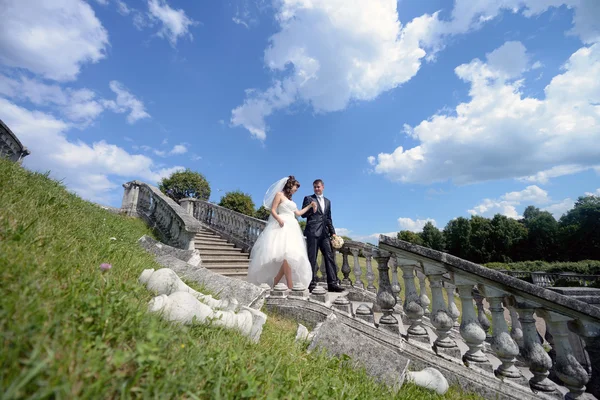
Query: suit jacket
x,y
318,223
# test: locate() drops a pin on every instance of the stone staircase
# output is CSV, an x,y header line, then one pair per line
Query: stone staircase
x,y
220,256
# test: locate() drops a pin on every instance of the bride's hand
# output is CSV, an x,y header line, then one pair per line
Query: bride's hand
x,y
281,223
314,206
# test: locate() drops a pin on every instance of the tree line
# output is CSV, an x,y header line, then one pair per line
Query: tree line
x,y
536,236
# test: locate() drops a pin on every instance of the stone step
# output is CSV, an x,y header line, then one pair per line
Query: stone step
x,y
230,269
207,236
225,251
214,246
226,259
209,240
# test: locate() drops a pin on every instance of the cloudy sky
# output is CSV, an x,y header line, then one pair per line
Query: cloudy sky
x,y
410,111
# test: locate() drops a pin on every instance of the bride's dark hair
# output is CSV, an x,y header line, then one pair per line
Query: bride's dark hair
x,y
287,189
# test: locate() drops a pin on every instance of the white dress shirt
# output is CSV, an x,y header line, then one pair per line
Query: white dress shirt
x,y
321,202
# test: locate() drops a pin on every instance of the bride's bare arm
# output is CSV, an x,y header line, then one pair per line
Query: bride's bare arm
x,y
276,202
312,205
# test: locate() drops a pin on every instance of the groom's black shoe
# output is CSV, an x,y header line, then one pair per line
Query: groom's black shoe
x,y
311,287
335,288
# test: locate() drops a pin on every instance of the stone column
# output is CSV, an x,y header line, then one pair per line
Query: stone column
x,y
385,297
590,333
345,267
440,318
533,352
503,345
370,275
481,316
452,309
412,307
423,298
567,368
357,269
188,204
130,198
470,329
396,289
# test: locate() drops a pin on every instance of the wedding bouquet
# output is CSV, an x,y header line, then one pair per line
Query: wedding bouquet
x,y
337,242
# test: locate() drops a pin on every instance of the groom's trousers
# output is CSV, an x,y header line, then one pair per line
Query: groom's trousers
x,y
313,244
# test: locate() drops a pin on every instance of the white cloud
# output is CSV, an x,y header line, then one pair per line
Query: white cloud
x,y
126,102
79,105
501,134
408,224
343,231
507,203
509,60
122,7
374,237
178,149
367,51
175,23
90,170
50,38
371,160
558,209
596,193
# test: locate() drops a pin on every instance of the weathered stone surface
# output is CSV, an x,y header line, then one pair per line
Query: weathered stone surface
x,y
157,248
339,339
302,333
247,294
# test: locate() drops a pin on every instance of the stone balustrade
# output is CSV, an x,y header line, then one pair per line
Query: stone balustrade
x,y
10,146
236,227
564,317
548,279
160,212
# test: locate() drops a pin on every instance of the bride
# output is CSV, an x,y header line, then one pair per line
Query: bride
x,y
280,249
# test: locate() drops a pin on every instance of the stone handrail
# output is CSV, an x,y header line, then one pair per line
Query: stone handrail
x,y
174,224
547,279
236,227
10,146
564,317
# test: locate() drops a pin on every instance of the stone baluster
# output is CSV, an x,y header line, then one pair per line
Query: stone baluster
x,y
423,298
357,269
533,352
385,297
590,333
323,271
412,306
440,318
470,329
370,275
396,288
484,322
567,368
452,309
345,267
503,345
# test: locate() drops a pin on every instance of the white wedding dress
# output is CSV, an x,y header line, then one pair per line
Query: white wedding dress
x,y
276,244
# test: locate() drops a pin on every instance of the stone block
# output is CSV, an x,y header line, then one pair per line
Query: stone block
x,y
157,248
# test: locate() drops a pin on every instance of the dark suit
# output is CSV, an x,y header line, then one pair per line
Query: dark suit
x,y
319,228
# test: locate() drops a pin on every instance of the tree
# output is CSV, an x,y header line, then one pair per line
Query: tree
x,y
302,224
506,237
182,184
432,237
346,238
480,239
410,237
458,237
580,230
238,201
262,213
542,235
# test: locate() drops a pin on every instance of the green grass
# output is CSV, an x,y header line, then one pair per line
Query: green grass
x,y
70,331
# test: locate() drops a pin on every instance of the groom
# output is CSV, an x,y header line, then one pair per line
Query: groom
x,y
319,229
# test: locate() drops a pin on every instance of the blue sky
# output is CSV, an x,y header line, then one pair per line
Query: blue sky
x,y
409,111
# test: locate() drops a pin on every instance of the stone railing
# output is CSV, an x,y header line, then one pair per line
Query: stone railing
x,y
572,365
236,227
547,279
10,146
162,213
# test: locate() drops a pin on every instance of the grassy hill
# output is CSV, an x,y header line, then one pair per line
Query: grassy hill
x,y
69,330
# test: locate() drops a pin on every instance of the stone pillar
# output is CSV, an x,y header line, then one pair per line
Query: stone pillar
x,y
357,269
365,313
533,352
130,198
503,345
188,205
567,368
440,318
345,267
370,275
343,304
412,307
423,298
484,322
590,333
470,329
385,297
396,289
452,309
